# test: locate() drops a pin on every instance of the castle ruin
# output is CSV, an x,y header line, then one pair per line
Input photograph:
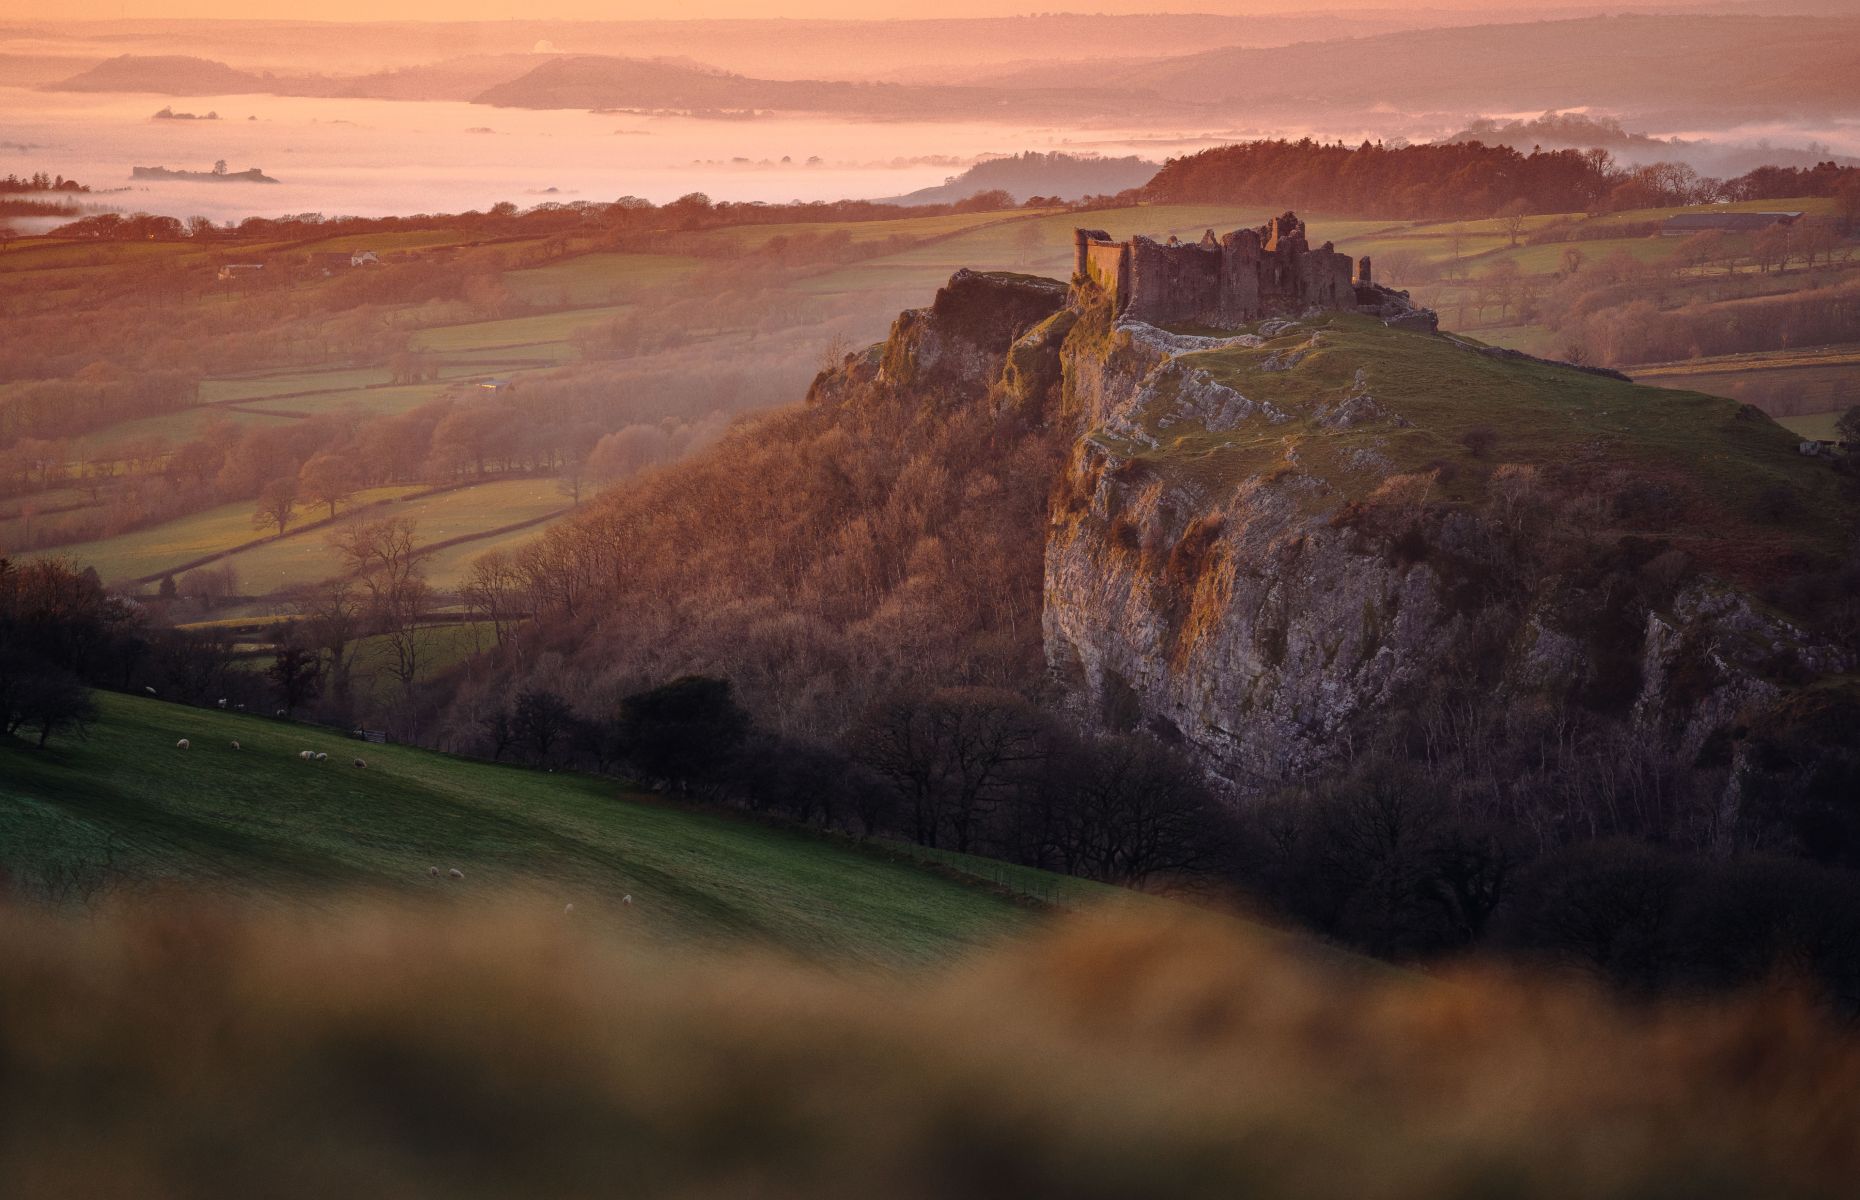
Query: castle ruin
x,y
1225,283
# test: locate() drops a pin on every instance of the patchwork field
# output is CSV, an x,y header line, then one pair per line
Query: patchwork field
x,y
512,331
1805,389
303,555
596,279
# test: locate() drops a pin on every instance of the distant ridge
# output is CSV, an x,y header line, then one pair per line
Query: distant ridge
x,y
1065,176
186,75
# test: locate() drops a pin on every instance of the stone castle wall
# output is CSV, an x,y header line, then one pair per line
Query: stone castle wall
x,y
1248,274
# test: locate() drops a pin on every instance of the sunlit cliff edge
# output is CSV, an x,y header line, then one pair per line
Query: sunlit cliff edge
x,y
1272,544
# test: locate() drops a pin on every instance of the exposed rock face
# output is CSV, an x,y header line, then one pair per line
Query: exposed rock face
x,y
958,343
1251,555
1266,626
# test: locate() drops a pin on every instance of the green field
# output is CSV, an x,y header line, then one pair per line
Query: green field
x,y
400,239
1807,389
161,547
447,568
304,556
1819,426
256,387
601,278
462,512
512,331
751,237
259,817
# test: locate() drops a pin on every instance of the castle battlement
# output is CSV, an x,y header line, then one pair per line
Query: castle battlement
x,y
1226,282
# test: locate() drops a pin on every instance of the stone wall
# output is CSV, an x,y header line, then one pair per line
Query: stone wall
x,y
1225,282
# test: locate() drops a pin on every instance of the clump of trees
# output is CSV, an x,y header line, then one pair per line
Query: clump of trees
x,y
1467,178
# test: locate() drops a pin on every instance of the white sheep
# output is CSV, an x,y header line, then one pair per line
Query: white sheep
x,y
280,712
222,702
568,911
627,899
235,744
182,744
360,763
321,757
456,873
306,755
240,707
433,871
149,690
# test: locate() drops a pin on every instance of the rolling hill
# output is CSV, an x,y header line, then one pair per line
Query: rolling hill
x,y
128,802
1639,63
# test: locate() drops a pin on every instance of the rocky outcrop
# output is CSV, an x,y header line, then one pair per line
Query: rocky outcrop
x,y
1270,618
957,344
1266,545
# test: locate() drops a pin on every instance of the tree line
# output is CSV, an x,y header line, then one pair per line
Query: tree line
x,y
1464,179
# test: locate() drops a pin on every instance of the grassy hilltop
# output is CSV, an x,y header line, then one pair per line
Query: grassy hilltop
x,y
260,818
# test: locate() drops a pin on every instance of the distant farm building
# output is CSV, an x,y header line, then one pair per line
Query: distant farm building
x,y
1686,224
330,261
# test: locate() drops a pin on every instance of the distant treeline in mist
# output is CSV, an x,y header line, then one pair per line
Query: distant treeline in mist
x,y
1462,179
628,214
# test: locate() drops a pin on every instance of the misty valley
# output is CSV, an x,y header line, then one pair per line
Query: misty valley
x,y
1056,605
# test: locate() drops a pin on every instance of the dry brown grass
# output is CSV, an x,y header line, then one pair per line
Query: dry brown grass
x,y
193,1049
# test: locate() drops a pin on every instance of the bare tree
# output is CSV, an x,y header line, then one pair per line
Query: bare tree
x,y
494,587
1511,219
277,504
950,755
328,479
381,556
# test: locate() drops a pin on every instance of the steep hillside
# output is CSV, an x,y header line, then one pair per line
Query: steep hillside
x,y
126,807
1276,546
1271,544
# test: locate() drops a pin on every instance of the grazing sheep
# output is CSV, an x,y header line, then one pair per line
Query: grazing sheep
x,y
321,757
182,744
240,707
360,763
306,755
456,873
280,712
222,702
236,745
433,871
149,690
627,899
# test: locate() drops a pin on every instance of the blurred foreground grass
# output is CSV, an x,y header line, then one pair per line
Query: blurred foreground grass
x,y
204,1049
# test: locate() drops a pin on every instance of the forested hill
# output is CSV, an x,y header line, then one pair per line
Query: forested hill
x,y
1053,175
1460,179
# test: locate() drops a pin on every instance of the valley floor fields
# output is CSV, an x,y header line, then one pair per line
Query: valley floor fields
x,y
579,303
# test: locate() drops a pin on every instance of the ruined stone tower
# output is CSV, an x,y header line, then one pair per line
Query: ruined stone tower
x,y
1225,282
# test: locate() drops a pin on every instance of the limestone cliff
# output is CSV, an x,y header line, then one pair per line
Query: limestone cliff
x,y
1266,545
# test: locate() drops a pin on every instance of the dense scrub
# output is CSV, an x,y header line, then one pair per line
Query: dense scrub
x,y
818,557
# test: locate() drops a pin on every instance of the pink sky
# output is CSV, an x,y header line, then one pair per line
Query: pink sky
x,y
463,10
